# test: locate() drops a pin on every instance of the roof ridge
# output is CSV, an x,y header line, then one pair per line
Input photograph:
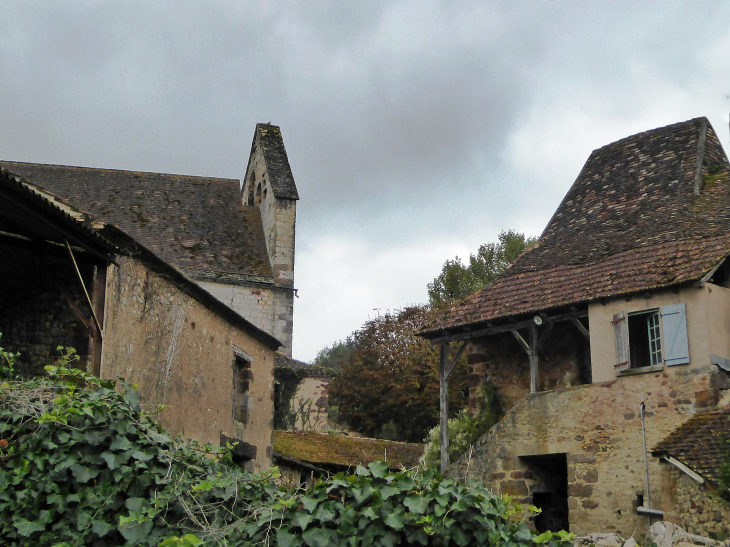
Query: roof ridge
x,y
112,170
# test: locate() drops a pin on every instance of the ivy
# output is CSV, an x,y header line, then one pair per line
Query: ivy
x,y
82,464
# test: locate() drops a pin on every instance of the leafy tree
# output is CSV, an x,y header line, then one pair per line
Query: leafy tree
x,y
458,280
389,387
333,356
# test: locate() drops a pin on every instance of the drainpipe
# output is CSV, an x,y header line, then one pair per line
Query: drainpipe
x,y
646,509
646,463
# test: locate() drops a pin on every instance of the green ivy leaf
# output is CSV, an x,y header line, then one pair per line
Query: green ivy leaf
x,y
101,528
416,503
378,469
83,474
395,520
26,528
317,537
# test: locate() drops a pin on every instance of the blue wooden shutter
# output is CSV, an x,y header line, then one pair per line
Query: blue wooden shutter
x,y
674,331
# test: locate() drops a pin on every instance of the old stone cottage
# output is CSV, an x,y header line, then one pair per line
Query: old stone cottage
x,y
618,317
132,270
234,238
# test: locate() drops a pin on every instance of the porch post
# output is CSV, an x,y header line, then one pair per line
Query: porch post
x,y
532,354
444,414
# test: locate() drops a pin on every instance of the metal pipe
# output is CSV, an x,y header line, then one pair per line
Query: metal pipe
x,y
646,462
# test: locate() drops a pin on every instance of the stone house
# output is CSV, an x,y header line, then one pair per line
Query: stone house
x,y
234,238
128,268
616,322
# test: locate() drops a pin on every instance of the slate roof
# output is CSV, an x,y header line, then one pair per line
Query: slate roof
x,y
702,443
341,450
631,222
277,162
197,224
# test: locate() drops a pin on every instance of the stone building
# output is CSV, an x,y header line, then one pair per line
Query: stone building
x,y
616,321
234,238
133,270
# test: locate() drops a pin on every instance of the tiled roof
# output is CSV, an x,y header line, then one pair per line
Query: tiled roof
x,y
277,162
341,450
630,222
194,223
701,443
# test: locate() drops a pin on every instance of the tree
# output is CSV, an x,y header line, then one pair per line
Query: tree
x,y
333,356
389,387
458,280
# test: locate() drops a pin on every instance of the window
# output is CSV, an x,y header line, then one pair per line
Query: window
x,y
241,378
639,338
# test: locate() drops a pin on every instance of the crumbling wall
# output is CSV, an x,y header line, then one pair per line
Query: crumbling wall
x,y
35,316
181,355
598,427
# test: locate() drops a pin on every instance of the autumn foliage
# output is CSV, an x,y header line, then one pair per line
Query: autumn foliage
x,y
389,386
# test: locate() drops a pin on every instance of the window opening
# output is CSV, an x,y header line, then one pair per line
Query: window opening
x,y
241,380
645,339
258,195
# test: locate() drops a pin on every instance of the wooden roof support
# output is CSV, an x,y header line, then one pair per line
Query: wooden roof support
x,y
445,370
86,293
446,337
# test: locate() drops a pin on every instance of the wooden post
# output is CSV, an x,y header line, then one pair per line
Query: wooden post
x,y
444,400
532,353
98,297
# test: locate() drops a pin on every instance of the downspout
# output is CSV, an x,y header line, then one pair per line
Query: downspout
x,y
646,462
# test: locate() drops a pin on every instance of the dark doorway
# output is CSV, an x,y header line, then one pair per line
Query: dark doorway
x,y
549,490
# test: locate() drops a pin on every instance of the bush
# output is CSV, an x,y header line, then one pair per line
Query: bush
x,y
80,461
82,464
464,430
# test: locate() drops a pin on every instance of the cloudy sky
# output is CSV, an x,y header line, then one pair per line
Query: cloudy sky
x,y
416,130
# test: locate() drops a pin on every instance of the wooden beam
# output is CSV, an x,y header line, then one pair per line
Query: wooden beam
x,y
584,331
544,336
83,286
533,358
444,411
504,328
450,367
518,337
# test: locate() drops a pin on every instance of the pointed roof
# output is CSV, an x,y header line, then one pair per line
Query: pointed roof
x,y
648,211
269,138
701,443
197,224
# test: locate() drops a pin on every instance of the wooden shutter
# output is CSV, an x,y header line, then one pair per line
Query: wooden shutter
x,y
674,332
621,331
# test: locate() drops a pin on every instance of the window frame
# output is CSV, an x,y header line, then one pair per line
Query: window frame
x,y
242,378
666,326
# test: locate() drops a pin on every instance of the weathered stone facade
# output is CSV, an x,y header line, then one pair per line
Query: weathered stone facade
x,y
693,506
181,354
596,427
269,307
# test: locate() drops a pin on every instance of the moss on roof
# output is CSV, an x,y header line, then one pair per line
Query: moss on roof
x,y
341,450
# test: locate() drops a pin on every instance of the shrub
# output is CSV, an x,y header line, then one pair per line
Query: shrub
x,y
464,430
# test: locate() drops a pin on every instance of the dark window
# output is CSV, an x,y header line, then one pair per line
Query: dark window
x,y
241,379
644,339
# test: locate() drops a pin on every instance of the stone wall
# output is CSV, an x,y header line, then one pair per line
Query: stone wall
x,y
181,355
270,308
35,316
499,359
695,507
598,428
